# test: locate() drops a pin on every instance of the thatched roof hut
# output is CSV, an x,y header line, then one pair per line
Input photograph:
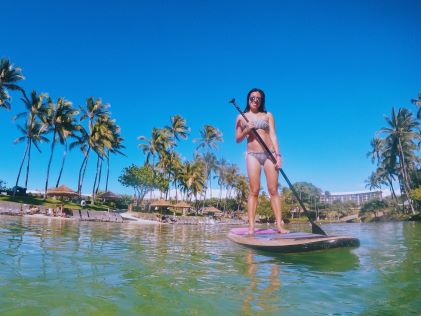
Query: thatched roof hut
x,y
211,210
61,191
109,196
182,204
161,203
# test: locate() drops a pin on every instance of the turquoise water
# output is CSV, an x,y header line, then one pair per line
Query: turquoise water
x,y
54,267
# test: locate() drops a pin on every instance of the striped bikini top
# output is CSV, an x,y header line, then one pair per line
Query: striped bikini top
x,y
261,124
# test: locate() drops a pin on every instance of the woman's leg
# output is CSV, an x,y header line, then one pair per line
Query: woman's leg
x,y
275,202
253,172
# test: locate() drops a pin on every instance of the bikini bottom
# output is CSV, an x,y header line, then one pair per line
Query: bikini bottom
x,y
261,156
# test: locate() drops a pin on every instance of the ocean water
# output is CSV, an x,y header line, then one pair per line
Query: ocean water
x,y
62,267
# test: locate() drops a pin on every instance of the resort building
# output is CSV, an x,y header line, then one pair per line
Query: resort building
x,y
358,197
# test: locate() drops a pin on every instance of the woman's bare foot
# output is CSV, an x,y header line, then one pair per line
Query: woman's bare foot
x,y
281,228
251,231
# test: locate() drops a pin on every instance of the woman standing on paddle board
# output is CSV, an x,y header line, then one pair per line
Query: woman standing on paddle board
x,y
263,122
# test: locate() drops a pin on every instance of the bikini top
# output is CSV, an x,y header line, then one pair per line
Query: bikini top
x,y
261,124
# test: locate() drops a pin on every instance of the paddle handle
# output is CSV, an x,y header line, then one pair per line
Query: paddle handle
x,y
314,227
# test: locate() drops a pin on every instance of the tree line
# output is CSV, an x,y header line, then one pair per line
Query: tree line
x,y
90,128
165,170
395,153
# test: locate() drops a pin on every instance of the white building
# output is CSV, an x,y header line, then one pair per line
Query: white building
x,y
359,197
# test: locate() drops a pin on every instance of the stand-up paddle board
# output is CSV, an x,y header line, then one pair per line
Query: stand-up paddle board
x,y
271,240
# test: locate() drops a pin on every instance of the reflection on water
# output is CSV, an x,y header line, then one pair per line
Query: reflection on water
x,y
264,285
331,260
50,266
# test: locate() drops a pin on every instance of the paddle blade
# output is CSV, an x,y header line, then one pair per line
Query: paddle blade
x,y
315,229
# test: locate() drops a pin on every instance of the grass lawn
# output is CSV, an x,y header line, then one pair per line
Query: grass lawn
x,y
50,202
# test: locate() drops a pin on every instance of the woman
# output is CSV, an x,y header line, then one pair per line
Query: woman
x,y
257,157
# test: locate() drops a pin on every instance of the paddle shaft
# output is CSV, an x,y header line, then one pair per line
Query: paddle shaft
x,y
314,227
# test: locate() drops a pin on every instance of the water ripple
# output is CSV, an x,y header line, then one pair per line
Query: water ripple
x,y
65,267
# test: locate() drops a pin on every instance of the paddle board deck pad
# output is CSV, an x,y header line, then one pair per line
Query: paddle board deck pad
x,y
270,240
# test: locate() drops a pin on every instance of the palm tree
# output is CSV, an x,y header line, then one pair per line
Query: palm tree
x,y
231,174
376,150
221,167
209,138
60,119
33,135
211,166
373,182
158,145
155,145
165,141
33,129
178,127
116,148
65,144
165,167
176,171
101,139
241,187
9,75
94,110
208,142
400,137
417,102
170,160
111,141
81,141
192,178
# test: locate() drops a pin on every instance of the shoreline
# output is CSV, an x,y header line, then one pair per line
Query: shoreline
x,y
25,210
37,211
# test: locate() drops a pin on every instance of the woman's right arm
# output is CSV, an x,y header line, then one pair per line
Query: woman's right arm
x,y
242,129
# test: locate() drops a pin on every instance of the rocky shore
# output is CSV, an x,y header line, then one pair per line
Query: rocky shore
x,y
187,220
18,209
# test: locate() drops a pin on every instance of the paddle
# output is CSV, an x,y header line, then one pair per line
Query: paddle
x,y
315,229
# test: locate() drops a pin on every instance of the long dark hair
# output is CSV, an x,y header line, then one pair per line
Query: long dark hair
x,y
262,103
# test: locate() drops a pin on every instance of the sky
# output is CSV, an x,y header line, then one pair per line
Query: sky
x,y
331,71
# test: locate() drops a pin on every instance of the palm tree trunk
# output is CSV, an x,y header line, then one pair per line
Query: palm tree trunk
x,y
80,174
175,187
108,172
96,177
405,176
82,171
392,189
226,198
204,197
20,168
62,165
53,143
210,185
27,165
99,177
153,175
220,196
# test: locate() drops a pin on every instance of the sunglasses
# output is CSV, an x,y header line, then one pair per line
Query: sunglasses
x,y
257,99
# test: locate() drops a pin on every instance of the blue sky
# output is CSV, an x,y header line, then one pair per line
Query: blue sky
x,y
331,70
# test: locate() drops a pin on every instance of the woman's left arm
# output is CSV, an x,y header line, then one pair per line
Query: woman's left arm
x,y
274,139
